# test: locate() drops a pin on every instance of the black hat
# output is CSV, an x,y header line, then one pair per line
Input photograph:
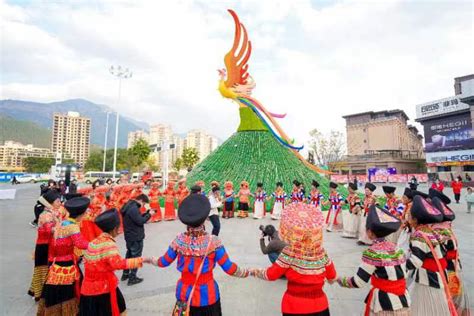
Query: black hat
x,y
388,189
259,185
269,230
296,182
279,184
315,183
408,193
353,186
435,193
370,186
381,222
196,189
422,194
69,196
215,188
424,212
332,185
194,210
108,220
51,196
77,206
448,214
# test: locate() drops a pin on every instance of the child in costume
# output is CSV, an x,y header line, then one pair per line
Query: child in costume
x,y
197,253
89,229
259,205
170,194
100,294
154,196
352,218
244,195
449,241
303,262
61,290
296,194
383,266
315,196
335,199
430,295
228,210
369,200
280,196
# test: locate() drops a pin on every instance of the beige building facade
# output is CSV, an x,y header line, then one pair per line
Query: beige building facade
x,y
381,139
201,141
71,136
136,135
13,153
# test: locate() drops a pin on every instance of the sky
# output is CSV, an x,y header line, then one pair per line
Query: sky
x,y
314,60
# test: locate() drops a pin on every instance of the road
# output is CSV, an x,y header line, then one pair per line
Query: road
x,y
155,296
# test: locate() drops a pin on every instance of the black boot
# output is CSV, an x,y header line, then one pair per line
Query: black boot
x,y
134,280
124,277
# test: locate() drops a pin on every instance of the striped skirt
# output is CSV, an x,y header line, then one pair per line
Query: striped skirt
x,y
40,271
426,300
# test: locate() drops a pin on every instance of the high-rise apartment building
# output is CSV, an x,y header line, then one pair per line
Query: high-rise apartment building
x,y
71,135
136,135
203,142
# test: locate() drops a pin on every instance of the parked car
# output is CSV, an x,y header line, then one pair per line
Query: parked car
x,y
27,178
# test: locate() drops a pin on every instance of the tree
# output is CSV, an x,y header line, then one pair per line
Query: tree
x,y
327,148
151,164
36,164
189,157
141,150
178,164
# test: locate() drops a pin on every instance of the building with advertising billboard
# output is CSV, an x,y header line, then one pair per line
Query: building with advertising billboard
x,y
449,137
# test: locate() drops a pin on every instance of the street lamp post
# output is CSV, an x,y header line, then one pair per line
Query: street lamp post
x,y
105,142
120,73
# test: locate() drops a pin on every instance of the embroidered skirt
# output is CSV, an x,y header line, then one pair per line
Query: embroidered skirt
x,y
40,271
99,305
259,210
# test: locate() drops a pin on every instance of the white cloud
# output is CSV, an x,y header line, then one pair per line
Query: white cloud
x,y
316,63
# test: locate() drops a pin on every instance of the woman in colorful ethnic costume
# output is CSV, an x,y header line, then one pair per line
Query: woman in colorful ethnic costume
x,y
369,200
303,262
46,222
428,268
259,204
89,229
100,295
183,190
197,253
170,194
351,219
395,207
315,196
62,288
449,241
279,205
154,196
335,200
228,210
296,194
383,266
244,199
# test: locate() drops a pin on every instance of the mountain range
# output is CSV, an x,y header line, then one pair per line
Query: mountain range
x,y
18,113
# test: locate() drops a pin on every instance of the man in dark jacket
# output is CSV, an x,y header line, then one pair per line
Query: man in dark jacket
x,y
275,244
134,231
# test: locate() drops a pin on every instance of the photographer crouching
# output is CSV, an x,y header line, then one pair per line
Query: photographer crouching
x,y
275,244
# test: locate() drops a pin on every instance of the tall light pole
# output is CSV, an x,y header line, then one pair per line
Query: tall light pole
x,y
105,142
120,73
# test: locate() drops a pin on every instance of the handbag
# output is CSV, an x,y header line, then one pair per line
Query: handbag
x,y
182,308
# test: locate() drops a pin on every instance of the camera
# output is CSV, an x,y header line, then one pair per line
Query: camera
x,y
262,228
268,230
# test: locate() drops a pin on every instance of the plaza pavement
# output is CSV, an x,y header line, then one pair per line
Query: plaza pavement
x,y
155,296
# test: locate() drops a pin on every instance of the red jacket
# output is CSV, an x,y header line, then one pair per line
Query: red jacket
x,y
439,187
304,293
457,186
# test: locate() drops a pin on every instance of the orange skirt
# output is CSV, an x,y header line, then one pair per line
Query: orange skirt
x,y
157,216
170,212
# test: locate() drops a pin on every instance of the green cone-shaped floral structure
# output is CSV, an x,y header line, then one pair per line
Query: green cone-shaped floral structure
x,y
254,155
